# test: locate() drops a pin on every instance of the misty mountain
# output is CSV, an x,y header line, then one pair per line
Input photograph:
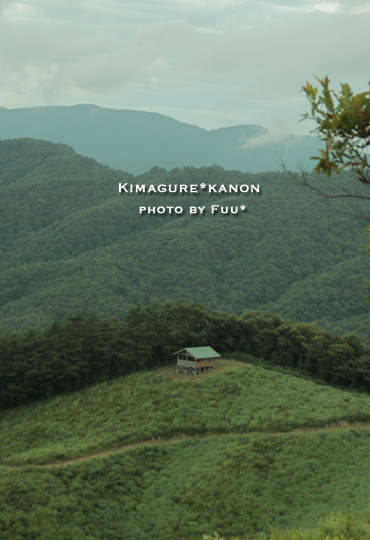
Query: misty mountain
x,y
136,141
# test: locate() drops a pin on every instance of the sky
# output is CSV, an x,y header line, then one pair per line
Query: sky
x,y
211,63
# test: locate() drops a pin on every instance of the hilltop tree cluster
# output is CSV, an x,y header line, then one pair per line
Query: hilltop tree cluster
x,y
84,350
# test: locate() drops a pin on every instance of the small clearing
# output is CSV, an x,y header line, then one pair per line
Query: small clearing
x,y
222,364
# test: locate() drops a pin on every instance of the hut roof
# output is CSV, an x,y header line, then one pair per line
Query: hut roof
x,y
201,352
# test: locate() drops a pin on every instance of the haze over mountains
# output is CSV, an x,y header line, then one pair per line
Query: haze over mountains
x,y
135,141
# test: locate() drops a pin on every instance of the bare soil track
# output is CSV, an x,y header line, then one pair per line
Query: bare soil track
x,y
180,438
170,372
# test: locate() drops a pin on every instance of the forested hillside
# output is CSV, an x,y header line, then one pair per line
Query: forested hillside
x,y
84,350
70,241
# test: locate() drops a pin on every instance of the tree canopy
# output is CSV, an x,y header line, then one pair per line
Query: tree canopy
x,y
69,242
84,350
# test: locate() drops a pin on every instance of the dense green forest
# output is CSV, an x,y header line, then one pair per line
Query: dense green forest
x,y
100,438
90,313
84,350
71,242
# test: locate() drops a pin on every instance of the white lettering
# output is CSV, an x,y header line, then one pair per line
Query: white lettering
x,y
195,209
122,187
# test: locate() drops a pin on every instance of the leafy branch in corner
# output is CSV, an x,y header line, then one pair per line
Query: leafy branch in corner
x,y
343,123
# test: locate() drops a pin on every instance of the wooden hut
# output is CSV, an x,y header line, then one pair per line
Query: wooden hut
x,y
196,359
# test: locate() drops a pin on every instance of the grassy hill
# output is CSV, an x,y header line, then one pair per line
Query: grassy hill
x,y
136,141
116,413
70,242
235,483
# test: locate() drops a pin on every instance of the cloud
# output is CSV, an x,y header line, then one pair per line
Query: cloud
x,y
349,7
4,4
268,59
270,138
207,5
238,57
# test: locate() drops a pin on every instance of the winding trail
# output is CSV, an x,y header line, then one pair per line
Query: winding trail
x,y
181,438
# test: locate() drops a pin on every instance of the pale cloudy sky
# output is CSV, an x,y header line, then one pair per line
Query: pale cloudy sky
x,y
211,63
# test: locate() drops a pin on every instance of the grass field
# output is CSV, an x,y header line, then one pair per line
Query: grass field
x,y
163,456
234,484
152,405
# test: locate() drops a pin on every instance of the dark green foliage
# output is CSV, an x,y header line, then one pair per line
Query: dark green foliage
x,y
236,485
67,356
85,350
70,242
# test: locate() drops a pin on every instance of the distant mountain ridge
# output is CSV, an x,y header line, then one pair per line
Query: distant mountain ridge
x,y
136,141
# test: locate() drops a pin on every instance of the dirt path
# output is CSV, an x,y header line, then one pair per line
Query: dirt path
x,y
180,438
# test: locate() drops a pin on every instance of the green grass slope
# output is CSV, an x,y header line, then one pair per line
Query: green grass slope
x,y
237,484
148,405
70,242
